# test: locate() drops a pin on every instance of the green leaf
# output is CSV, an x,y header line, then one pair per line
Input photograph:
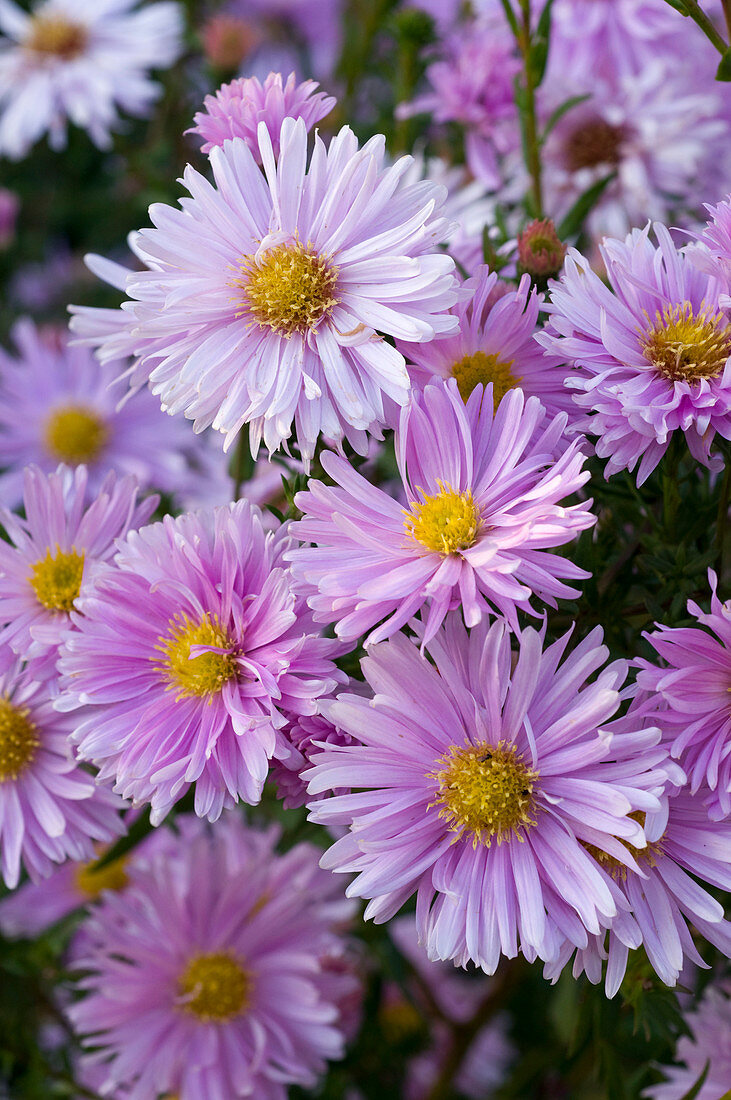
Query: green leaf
x,y
723,72
585,203
693,1092
510,16
541,44
560,111
678,5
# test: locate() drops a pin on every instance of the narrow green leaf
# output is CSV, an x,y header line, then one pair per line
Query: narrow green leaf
x,y
510,16
693,1092
541,44
678,5
585,203
723,72
560,111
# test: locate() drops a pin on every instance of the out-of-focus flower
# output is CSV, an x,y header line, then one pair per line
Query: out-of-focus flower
x,y
58,404
693,708
653,350
9,206
495,345
210,974
54,552
281,287
80,62
218,653
472,84
291,30
479,785
717,238
228,40
708,1045
237,109
50,809
483,508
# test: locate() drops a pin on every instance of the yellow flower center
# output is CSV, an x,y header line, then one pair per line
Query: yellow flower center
x,y
400,1019
646,857
18,740
446,522
289,289
75,434
686,348
484,367
485,790
56,35
216,987
56,579
204,674
91,879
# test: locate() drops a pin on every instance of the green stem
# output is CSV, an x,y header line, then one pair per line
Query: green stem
x,y
727,14
696,13
530,127
242,464
670,491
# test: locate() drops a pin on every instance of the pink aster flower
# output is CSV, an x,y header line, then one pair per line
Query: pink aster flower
x,y
54,552
305,736
659,899
478,789
217,655
205,976
58,404
483,508
653,350
50,810
71,60
717,238
266,296
709,1044
237,109
691,690
495,343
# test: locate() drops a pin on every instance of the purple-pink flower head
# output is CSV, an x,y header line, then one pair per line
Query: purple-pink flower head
x,y
495,344
193,652
659,899
50,810
483,510
717,237
267,296
477,785
237,109
54,552
706,1051
304,735
691,692
59,404
652,350
204,978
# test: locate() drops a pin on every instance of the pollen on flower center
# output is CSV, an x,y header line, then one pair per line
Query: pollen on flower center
x,y
684,347
75,434
204,673
19,740
57,36
56,579
646,857
485,367
446,522
593,142
289,289
485,790
216,987
91,879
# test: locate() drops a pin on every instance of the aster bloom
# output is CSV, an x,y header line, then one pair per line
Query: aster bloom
x,y
483,506
265,297
709,1045
218,654
472,84
50,810
717,238
304,735
495,344
691,691
58,404
53,553
653,350
70,60
237,109
204,975
478,789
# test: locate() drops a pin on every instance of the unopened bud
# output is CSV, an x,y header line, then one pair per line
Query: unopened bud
x,y
540,252
227,41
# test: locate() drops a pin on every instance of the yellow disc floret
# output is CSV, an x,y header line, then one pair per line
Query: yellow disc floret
x,y
215,987
485,367
685,347
91,879
56,36
290,288
204,674
56,579
446,522
74,434
486,791
19,740
646,857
